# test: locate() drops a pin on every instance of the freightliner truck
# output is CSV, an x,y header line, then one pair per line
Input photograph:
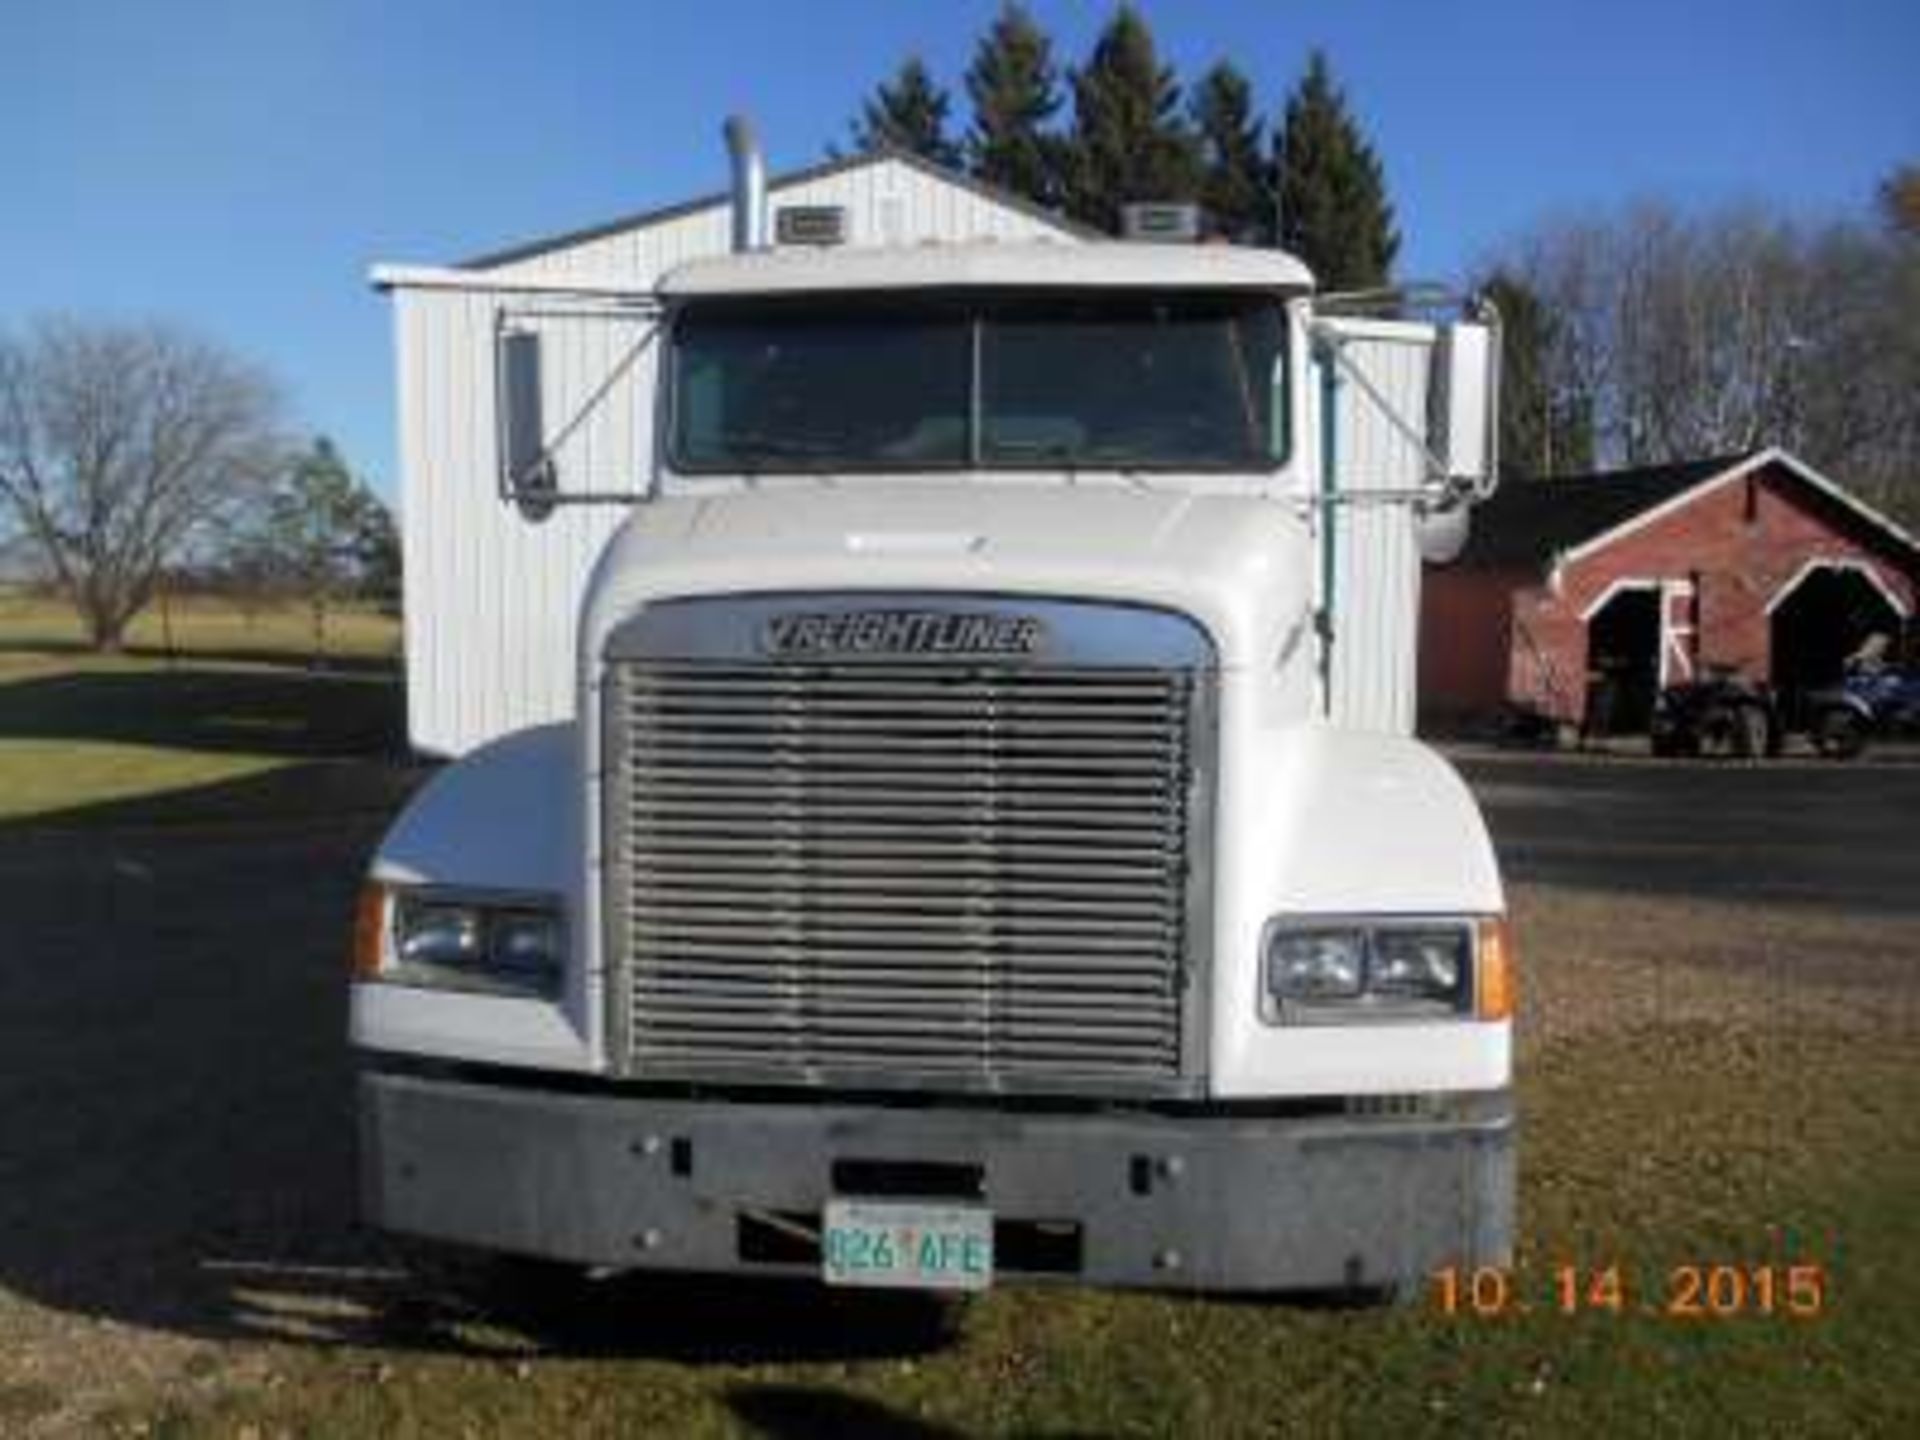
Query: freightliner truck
x,y
955,870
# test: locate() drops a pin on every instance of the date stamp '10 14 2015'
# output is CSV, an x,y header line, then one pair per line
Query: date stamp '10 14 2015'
x,y
1692,1291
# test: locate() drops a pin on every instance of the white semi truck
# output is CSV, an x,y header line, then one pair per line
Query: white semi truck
x,y
956,868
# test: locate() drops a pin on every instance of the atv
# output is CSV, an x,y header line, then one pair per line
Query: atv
x,y
1722,714
1882,700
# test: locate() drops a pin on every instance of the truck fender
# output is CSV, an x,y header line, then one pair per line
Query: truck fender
x,y
502,817
1360,823
1342,824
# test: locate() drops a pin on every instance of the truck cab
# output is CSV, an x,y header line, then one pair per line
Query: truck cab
x,y
956,869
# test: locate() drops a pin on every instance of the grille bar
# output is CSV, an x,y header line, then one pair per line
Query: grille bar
x,y
975,871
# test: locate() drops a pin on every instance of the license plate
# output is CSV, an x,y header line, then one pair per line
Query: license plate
x,y
915,1247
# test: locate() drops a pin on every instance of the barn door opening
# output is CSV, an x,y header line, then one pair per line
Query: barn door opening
x,y
1623,661
1819,618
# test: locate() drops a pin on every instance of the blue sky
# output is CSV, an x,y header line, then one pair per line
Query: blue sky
x,y
237,164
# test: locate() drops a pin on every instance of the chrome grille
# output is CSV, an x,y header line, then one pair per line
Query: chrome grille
x,y
878,871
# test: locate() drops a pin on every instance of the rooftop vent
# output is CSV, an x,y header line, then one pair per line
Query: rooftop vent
x,y
1160,222
810,225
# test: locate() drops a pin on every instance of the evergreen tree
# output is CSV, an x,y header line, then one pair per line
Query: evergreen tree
x,y
1015,89
1334,211
1128,142
319,534
1235,183
1545,428
375,544
908,113
312,519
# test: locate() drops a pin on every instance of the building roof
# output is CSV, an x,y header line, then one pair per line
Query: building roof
x,y
643,218
1537,524
1529,522
990,263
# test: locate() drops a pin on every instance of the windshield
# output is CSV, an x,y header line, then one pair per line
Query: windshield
x,y
1106,381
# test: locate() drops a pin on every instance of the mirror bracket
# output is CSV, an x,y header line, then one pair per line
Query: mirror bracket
x,y
528,476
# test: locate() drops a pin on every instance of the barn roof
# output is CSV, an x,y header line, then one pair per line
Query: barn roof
x,y
1528,522
643,218
1534,523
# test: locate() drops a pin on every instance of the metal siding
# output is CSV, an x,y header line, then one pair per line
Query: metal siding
x,y
1376,559
492,600
490,597
420,578
929,209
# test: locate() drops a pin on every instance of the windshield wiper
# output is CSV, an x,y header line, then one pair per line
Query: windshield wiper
x,y
1058,451
745,447
1071,458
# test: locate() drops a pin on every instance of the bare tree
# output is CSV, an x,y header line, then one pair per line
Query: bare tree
x,y
1563,269
1545,425
118,443
1697,335
1899,199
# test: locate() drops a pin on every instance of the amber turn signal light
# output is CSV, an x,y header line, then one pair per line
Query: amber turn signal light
x,y
369,931
1495,969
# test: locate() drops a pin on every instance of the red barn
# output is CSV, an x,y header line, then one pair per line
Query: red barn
x,y
1756,561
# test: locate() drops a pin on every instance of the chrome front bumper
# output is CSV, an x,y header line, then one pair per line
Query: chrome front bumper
x,y
1205,1200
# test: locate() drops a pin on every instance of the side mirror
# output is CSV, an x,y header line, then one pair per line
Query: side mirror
x,y
1466,396
527,474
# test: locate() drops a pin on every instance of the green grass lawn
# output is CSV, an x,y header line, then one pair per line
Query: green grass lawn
x,y
238,695
1031,1362
1699,1117
204,627
48,777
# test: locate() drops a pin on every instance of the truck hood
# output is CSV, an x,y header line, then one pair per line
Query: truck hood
x,y
1239,565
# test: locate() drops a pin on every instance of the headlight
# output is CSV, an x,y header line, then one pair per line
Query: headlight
x,y
508,946
1317,964
1424,964
428,932
1387,969
527,943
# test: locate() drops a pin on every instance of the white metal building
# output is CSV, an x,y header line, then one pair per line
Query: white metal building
x,y
491,597
1371,563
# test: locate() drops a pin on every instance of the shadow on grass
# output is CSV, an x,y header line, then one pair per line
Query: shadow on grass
x,y
326,792
274,652
426,1300
176,1106
801,1412
269,711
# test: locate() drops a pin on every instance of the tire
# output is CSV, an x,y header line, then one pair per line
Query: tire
x,y
1678,742
1718,732
1839,734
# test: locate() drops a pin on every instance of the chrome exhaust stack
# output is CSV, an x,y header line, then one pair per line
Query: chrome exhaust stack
x,y
749,185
